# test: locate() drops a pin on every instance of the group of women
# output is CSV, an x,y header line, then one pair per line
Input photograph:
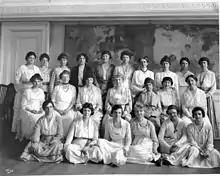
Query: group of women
x,y
116,114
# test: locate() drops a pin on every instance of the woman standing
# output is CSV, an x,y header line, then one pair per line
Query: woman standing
x,y
45,144
22,82
45,73
202,153
104,73
64,99
31,107
113,149
207,82
90,94
125,69
139,76
83,133
182,74
144,139
55,77
165,62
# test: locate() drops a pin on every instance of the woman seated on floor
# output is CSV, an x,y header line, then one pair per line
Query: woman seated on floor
x,y
114,148
151,102
64,99
144,145
202,153
91,94
83,132
118,95
172,137
45,145
31,107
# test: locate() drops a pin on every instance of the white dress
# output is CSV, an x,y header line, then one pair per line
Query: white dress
x,y
23,74
138,79
127,72
91,95
62,100
160,75
111,148
182,83
33,100
46,74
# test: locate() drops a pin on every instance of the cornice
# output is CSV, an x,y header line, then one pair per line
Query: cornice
x,y
196,10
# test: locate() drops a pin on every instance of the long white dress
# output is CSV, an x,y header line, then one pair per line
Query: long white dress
x,y
79,137
201,139
33,100
190,100
46,75
144,139
182,83
138,79
111,148
207,82
23,74
159,77
127,72
62,100
170,135
91,95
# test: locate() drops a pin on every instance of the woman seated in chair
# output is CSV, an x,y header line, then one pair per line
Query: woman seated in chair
x,y
202,153
45,145
91,94
83,133
113,149
144,145
64,99
151,101
31,107
172,137
118,95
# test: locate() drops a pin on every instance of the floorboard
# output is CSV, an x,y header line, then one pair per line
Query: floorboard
x,y
10,152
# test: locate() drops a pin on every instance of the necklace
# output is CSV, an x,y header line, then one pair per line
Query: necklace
x,y
65,87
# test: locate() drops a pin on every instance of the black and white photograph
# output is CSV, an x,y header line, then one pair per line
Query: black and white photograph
x,y
109,87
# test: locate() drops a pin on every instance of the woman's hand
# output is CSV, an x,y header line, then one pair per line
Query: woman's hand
x,y
155,151
173,148
125,151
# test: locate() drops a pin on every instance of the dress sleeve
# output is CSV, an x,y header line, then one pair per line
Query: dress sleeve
x,y
99,99
52,81
36,132
161,136
184,108
157,81
60,127
24,99
71,133
209,136
129,105
190,136
53,95
108,107
153,136
213,84
127,136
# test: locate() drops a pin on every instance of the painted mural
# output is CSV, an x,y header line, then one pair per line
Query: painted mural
x,y
152,40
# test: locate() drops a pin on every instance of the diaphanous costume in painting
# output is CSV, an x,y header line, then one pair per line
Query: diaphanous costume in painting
x,y
144,139
45,145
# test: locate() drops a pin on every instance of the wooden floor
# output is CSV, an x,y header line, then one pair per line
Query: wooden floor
x,y
9,162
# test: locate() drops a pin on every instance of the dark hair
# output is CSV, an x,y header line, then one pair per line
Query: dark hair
x,y
45,103
63,55
188,45
36,76
165,59
204,59
191,76
82,54
63,73
167,79
90,75
127,53
184,59
30,53
87,105
148,80
145,58
106,52
173,107
138,105
115,107
44,55
198,109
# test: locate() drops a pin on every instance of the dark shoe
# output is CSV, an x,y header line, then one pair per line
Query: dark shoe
x,y
167,163
159,162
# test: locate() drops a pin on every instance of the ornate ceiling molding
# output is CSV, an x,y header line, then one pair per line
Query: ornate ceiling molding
x,y
57,12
